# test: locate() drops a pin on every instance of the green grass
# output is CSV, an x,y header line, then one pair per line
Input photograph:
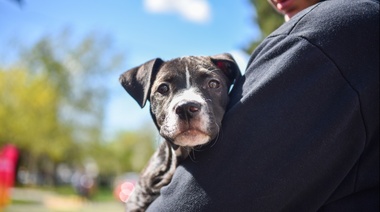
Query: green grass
x,y
63,190
24,202
103,194
100,194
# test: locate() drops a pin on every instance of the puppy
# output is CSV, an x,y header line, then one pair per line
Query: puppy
x,y
188,97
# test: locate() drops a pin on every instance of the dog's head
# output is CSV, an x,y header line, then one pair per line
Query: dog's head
x,y
187,95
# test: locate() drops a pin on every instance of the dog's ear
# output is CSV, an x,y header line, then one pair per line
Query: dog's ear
x,y
228,65
137,81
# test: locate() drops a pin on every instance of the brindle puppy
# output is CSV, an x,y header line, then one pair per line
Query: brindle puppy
x,y
188,97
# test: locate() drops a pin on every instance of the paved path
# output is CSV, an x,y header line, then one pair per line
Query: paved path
x,y
43,201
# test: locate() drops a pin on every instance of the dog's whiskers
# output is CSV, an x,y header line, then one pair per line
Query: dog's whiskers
x,y
192,154
218,135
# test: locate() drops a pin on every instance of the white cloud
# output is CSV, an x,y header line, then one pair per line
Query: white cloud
x,y
193,10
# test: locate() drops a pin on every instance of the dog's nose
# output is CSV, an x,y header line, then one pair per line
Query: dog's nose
x,y
188,110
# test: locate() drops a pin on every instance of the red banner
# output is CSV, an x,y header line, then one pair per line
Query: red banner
x,y
8,162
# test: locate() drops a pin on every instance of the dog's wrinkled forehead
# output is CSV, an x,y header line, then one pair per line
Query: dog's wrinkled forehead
x,y
183,67
188,63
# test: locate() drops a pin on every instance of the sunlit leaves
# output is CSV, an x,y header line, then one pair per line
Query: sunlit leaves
x,y
28,111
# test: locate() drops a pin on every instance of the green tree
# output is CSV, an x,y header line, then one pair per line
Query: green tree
x,y
128,151
77,71
53,97
28,113
28,118
268,20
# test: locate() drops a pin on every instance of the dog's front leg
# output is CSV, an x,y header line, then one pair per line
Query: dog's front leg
x,y
155,175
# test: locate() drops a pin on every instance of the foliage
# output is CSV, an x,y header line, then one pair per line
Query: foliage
x,y
127,152
52,107
76,72
268,20
28,114
137,149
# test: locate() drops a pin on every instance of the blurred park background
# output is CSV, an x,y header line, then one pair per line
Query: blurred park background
x,y
69,133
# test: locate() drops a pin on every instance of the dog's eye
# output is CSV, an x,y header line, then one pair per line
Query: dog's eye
x,y
214,84
162,89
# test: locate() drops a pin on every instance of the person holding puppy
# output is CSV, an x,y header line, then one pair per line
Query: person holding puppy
x,y
301,132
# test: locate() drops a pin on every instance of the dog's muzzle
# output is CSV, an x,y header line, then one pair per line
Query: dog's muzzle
x,y
188,110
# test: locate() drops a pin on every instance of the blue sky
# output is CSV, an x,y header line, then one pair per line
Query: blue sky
x,y
142,29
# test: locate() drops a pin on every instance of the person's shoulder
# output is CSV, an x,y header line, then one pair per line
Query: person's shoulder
x,y
331,16
346,32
